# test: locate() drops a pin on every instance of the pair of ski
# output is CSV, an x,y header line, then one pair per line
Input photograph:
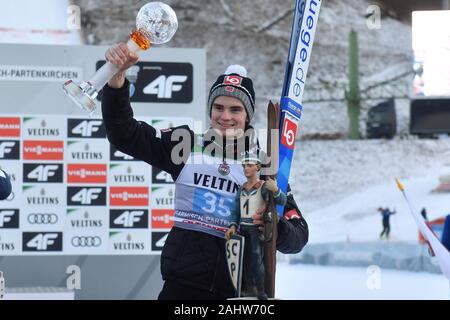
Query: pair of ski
x,y
283,119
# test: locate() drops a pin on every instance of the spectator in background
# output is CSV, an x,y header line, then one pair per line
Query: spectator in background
x,y
5,185
386,214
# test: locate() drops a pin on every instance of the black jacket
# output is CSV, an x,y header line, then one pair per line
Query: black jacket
x,y
188,257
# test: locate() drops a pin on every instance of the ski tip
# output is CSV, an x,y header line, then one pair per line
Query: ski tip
x,y
399,185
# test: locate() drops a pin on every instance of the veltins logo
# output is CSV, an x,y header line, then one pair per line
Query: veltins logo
x,y
9,218
128,196
85,128
162,218
10,127
86,196
128,219
42,241
43,150
9,150
42,172
86,173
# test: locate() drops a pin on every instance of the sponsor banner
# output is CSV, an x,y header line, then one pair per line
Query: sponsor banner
x,y
129,242
42,172
86,151
43,195
42,242
128,196
116,155
128,218
43,128
86,173
9,219
43,150
40,73
68,181
85,242
162,218
10,127
86,196
163,197
86,218
86,128
10,242
158,240
129,174
9,149
160,82
161,177
49,218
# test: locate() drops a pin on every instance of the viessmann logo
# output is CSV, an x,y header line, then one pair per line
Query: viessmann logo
x,y
9,127
43,150
86,173
162,219
128,196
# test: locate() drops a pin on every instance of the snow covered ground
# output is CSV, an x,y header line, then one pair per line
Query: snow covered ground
x,y
355,218
311,282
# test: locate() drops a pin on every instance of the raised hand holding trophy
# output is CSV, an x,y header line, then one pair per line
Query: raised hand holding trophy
x,y
156,23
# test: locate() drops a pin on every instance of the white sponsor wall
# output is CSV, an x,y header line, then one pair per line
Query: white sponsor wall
x,y
73,192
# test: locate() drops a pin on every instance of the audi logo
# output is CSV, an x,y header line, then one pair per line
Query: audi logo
x,y
86,241
42,218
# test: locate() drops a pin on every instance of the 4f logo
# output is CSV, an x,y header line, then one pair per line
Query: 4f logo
x,y
86,128
43,173
128,218
9,149
116,155
120,219
79,128
161,82
86,196
5,148
289,132
9,218
158,240
164,86
49,241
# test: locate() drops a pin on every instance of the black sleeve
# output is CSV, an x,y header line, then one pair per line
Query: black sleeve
x,y
293,232
140,140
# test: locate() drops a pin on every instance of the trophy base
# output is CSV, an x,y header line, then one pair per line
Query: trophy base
x,y
83,95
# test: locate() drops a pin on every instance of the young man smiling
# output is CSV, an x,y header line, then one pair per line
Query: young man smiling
x,y
193,261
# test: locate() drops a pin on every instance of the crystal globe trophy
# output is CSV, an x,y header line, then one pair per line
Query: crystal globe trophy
x,y
156,23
